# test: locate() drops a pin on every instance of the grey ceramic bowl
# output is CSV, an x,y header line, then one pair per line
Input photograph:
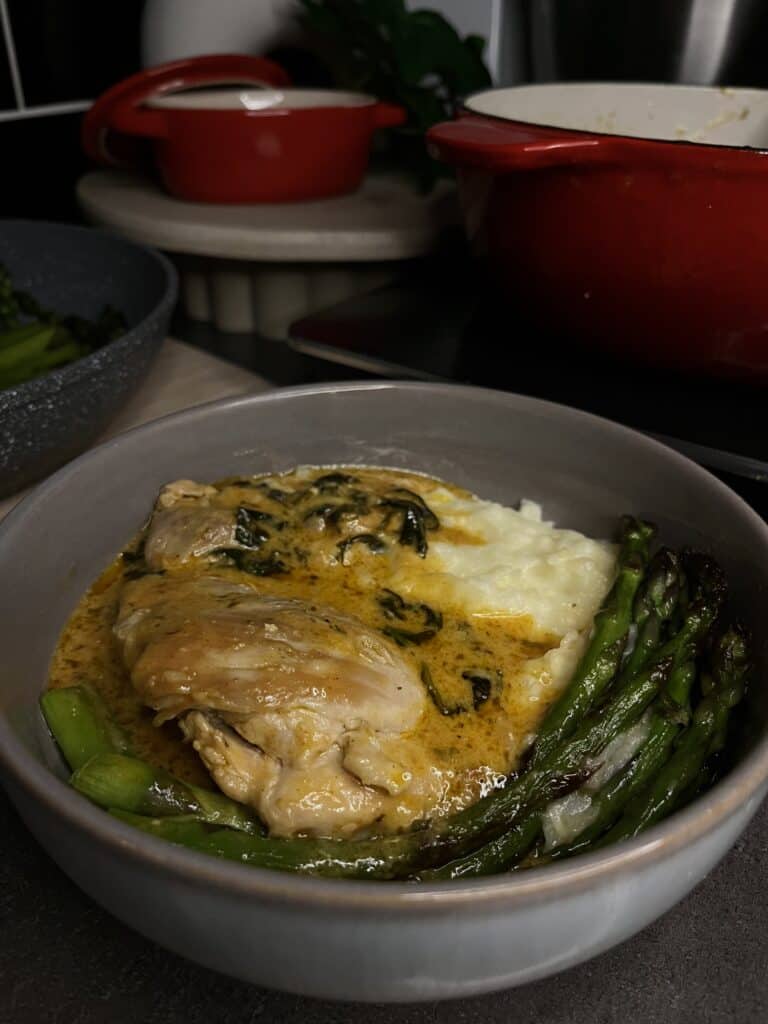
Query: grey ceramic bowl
x,y
47,421
357,940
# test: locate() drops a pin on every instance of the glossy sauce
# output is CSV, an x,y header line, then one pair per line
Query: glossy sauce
x,y
471,745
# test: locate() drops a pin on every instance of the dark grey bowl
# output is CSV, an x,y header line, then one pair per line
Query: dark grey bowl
x,y
47,421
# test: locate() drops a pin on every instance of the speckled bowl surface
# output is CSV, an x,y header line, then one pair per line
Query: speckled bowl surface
x,y
370,940
47,421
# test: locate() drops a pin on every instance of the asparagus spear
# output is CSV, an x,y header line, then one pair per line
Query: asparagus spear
x,y
185,830
492,858
611,800
118,782
30,349
81,724
27,347
655,603
508,849
96,750
729,670
13,336
35,365
602,658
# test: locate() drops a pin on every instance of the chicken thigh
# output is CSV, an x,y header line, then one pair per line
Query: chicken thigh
x,y
298,710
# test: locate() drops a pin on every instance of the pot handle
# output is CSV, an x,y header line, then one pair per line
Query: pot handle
x,y
389,115
480,142
120,109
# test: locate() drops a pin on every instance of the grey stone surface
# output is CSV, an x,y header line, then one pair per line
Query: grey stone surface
x,y
63,960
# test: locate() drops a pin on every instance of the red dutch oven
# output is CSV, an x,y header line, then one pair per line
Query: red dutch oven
x,y
633,218
258,141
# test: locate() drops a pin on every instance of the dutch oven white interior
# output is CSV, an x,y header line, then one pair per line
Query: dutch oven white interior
x,y
670,113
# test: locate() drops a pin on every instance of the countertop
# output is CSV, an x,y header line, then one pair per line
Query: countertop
x,y
65,961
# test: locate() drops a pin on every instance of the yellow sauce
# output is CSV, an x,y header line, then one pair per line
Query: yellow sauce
x,y
501,645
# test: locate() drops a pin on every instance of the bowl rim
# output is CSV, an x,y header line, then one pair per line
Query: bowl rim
x,y
62,377
498,893
643,140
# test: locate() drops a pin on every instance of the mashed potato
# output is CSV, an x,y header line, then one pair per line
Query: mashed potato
x,y
518,564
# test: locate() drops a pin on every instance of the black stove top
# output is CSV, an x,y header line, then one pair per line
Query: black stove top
x,y
442,323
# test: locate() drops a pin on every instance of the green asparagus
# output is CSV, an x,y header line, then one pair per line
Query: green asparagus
x,y
729,671
603,656
34,340
116,781
494,857
26,348
81,725
18,334
185,830
609,802
655,603
97,750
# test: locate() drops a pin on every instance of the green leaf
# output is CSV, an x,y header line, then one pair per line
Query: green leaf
x,y
424,107
415,58
476,46
459,65
385,12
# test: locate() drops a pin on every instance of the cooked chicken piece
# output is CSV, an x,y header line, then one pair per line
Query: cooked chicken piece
x,y
296,709
302,790
206,642
181,490
242,771
185,525
184,531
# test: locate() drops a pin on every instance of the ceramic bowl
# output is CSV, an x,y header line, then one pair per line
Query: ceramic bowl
x,y
359,940
48,420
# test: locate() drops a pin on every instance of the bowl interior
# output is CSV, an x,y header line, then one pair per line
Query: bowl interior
x,y
584,471
670,113
78,270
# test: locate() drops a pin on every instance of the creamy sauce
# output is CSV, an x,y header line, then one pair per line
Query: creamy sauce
x,y
472,747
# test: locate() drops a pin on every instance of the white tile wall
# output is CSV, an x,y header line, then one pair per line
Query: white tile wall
x,y
10,53
22,110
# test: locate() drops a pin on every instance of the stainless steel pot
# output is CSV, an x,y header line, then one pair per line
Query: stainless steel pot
x,y
703,42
